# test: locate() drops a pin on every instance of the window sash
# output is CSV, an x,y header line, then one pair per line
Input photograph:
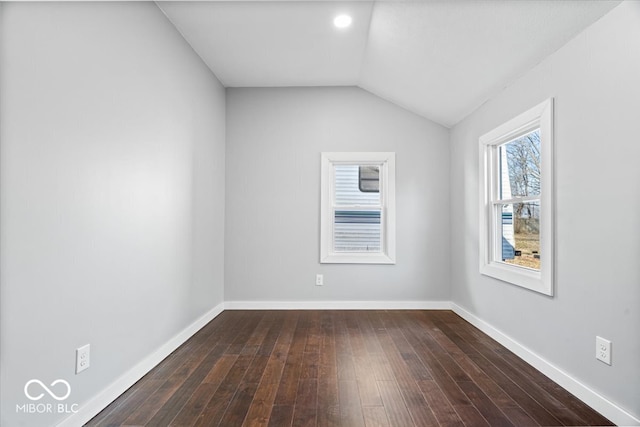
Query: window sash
x,y
364,231
496,202
495,250
366,195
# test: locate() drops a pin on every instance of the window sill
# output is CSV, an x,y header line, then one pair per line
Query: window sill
x,y
357,259
519,276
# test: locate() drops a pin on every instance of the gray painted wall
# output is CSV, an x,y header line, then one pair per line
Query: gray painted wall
x,y
594,80
274,141
111,193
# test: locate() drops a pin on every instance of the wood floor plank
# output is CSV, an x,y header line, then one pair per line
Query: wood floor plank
x,y
375,416
244,334
485,406
369,393
403,375
259,411
367,388
223,395
314,338
281,416
350,408
182,394
271,338
293,366
328,407
447,384
422,416
394,405
278,358
305,410
519,417
344,354
220,369
310,365
471,417
368,333
237,409
154,402
195,405
381,367
439,404
430,350
344,368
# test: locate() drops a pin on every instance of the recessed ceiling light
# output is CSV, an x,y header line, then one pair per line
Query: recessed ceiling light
x,y
342,21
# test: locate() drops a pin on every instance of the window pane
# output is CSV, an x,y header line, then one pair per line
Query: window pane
x,y
369,179
520,234
520,166
348,191
357,231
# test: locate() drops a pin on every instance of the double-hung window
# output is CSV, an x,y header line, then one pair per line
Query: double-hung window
x,y
516,200
357,222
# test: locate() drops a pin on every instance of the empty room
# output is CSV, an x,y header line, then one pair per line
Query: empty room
x,y
320,213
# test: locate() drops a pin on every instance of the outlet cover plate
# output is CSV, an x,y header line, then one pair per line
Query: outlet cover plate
x,y
603,350
83,358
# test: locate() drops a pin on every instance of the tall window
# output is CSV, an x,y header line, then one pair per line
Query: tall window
x,y
516,200
358,208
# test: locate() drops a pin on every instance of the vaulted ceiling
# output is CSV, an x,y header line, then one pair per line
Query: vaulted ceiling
x,y
438,58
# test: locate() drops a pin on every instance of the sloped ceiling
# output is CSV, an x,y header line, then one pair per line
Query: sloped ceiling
x,y
438,58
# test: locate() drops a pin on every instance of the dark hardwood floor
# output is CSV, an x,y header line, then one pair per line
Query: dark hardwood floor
x,y
344,368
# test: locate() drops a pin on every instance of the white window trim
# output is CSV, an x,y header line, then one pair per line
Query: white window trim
x,y
388,223
543,280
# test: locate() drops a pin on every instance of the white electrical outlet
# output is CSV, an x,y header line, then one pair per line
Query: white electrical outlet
x,y
83,358
319,280
603,350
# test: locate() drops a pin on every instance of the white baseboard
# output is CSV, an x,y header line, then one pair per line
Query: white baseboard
x,y
108,395
598,402
337,305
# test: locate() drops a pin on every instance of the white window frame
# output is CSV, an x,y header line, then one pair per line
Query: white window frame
x,y
386,162
540,116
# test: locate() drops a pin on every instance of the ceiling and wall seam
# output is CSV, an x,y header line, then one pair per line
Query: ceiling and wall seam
x,y
404,107
519,76
439,60
204,61
366,44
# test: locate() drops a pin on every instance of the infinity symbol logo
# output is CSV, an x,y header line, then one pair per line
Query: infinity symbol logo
x,y
51,393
